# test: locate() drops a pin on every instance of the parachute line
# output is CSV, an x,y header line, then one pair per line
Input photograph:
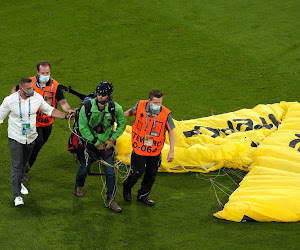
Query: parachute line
x,y
217,186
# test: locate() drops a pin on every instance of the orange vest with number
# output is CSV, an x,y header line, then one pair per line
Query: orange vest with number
x,y
139,131
48,93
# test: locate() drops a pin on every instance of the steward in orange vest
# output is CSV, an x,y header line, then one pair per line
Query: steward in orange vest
x,y
48,93
148,132
148,137
52,93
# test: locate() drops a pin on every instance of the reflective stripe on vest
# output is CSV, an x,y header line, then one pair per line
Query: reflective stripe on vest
x,y
139,133
48,93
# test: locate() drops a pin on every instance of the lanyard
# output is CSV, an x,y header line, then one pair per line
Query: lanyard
x,y
153,126
20,108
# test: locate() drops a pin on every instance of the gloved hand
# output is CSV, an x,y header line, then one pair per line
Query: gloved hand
x,y
101,146
109,143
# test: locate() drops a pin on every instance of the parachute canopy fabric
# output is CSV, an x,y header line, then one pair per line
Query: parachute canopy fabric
x,y
264,140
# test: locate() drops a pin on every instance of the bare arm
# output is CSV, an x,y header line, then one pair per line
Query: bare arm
x,y
58,114
65,106
51,111
128,113
172,144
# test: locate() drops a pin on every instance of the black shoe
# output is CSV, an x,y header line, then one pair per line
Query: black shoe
x,y
126,195
146,201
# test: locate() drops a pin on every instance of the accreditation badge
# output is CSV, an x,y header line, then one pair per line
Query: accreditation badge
x,y
25,128
148,141
153,133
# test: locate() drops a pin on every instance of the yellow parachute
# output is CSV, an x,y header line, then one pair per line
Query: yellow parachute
x,y
264,140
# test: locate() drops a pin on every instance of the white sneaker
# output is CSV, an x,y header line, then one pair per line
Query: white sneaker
x,y
19,201
24,190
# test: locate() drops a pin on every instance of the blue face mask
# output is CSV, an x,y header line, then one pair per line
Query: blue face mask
x,y
44,78
155,107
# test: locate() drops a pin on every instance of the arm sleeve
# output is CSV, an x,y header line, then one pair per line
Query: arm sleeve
x,y
44,106
59,94
134,109
121,122
4,110
170,124
84,128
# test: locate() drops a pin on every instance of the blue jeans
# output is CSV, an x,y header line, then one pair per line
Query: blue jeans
x,y
106,155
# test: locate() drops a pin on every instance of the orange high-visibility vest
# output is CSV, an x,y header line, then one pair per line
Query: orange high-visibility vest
x,y
140,132
48,93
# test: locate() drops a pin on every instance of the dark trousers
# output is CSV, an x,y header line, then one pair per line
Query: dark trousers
x,y
19,159
106,155
43,135
139,165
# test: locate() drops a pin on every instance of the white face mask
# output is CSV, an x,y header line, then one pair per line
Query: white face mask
x,y
44,78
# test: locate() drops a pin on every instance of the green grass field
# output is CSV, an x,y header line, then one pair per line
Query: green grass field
x,y
203,55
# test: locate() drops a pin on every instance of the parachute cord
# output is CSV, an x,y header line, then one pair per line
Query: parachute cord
x,y
117,170
219,185
235,173
209,176
216,176
231,179
70,127
120,173
126,173
114,192
86,157
103,191
240,175
216,195
215,185
69,123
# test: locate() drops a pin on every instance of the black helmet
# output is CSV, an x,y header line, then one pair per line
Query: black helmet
x,y
104,88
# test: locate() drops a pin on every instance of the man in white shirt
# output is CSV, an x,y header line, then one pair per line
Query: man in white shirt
x,y
21,108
